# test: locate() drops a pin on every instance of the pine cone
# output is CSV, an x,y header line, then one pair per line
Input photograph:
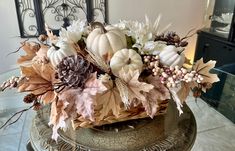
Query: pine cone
x,y
29,98
37,106
171,38
73,71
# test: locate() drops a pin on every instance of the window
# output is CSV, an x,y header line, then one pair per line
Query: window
x,y
34,14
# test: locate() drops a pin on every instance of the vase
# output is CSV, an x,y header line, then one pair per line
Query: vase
x,y
164,132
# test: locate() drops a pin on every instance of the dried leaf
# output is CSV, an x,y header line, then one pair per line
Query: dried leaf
x,y
184,90
109,100
41,55
97,60
53,38
135,87
159,92
85,100
177,100
30,48
123,90
203,69
39,79
58,117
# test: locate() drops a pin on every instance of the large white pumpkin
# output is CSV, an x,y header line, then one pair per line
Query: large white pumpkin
x,y
171,56
105,41
59,51
126,59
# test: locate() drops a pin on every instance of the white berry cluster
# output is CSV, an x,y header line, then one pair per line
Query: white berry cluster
x,y
152,63
10,83
171,76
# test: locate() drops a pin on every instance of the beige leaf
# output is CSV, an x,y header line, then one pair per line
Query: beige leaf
x,y
204,70
39,78
53,38
159,92
30,49
135,87
184,90
110,100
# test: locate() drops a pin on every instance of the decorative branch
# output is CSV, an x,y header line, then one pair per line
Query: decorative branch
x,y
24,42
20,114
188,35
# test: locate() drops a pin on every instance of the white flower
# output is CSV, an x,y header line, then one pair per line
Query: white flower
x,y
153,47
141,32
74,32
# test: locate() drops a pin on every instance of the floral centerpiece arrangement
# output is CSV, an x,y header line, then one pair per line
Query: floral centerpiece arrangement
x,y
93,74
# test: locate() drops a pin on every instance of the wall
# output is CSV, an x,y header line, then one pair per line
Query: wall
x,y
9,35
183,14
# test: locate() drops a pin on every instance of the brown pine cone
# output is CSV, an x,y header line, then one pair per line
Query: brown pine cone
x,y
30,98
170,37
42,37
73,71
37,106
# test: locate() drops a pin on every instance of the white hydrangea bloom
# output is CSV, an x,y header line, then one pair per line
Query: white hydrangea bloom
x,y
74,32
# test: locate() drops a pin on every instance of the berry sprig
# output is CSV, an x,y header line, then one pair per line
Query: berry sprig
x,y
10,83
171,76
32,98
152,63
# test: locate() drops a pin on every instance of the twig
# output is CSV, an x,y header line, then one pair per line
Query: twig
x,y
18,48
187,35
19,112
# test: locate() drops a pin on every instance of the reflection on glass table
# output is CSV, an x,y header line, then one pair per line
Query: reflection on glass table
x,y
222,95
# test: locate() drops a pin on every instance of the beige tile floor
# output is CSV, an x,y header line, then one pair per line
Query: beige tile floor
x,y
214,131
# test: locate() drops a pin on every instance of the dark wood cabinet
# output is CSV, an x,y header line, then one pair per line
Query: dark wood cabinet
x,y
213,47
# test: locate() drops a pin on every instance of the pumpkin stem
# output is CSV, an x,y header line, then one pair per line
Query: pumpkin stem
x,y
100,25
56,47
129,61
180,51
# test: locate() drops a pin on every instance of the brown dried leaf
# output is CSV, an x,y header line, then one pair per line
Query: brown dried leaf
x,y
159,92
184,90
135,87
110,100
39,78
85,101
30,48
58,116
41,55
204,70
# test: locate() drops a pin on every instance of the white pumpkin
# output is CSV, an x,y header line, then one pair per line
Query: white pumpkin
x,y
59,51
171,56
126,59
105,41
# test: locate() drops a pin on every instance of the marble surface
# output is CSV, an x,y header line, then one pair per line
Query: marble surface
x,y
215,132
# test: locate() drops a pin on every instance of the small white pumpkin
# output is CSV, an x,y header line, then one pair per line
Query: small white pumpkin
x,y
105,41
59,51
171,56
127,60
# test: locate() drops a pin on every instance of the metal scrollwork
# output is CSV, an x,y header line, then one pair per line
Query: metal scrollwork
x,y
33,14
99,10
61,13
26,18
